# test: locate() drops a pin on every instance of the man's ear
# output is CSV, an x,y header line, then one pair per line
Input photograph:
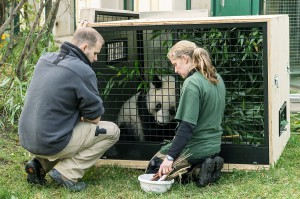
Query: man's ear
x,y
83,47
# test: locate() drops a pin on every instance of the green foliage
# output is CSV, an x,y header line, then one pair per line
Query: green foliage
x,y
126,74
280,181
295,122
13,90
242,73
12,98
122,77
237,55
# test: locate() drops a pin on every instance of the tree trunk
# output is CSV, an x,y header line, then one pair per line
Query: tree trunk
x,y
47,26
32,29
12,16
11,43
2,11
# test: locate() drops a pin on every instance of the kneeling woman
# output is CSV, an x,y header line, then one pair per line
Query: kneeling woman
x,y
200,113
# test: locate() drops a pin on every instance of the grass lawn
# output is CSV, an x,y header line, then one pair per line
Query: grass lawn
x,y
282,181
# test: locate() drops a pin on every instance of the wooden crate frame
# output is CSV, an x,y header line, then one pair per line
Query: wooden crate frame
x,y
276,77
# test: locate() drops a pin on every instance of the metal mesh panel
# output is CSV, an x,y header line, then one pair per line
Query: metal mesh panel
x,y
101,16
292,8
140,57
134,78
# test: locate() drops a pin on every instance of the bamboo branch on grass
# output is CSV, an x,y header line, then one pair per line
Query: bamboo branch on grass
x,y
175,173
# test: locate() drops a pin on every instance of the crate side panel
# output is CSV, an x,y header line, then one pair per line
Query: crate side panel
x,y
278,85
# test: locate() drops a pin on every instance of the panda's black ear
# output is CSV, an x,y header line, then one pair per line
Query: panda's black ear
x,y
157,82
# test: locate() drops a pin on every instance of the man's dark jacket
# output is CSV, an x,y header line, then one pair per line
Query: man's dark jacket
x,y
63,89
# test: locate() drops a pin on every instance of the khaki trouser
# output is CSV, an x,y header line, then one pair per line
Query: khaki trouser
x,y
83,150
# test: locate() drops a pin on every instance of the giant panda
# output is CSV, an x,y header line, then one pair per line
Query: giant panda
x,y
149,116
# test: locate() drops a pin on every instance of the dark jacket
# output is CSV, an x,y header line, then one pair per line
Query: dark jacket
x,y
63,89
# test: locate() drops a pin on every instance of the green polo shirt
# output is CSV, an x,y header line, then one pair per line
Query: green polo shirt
x,y
202,104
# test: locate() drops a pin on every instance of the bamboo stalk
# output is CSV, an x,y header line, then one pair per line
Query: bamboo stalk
x,y
231,136
171,175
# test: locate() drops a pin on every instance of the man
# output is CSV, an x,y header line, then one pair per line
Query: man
x,y
60,121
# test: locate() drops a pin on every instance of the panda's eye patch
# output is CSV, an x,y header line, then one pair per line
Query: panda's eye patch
x,y
172,111
158,107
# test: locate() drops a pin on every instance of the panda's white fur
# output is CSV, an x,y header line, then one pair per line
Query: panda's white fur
x,y
144,112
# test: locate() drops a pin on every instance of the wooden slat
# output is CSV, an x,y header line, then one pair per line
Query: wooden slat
x,y
177,21
245,167
137,164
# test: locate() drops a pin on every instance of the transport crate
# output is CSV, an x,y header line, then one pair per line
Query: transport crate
x,y
250,52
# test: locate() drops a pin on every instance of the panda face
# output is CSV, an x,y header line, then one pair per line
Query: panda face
x,y
162,99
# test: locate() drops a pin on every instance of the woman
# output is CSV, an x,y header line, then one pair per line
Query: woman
x,y
200,113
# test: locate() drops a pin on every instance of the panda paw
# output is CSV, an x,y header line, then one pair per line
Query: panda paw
x,y
128,133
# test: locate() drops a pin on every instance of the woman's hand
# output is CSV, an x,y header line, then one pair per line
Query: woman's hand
x,y
165,167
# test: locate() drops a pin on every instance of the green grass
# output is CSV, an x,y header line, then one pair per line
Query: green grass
x,y
282,181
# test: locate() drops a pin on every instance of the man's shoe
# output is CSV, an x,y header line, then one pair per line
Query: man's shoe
x,y
35,172
205,173
219,162
68,184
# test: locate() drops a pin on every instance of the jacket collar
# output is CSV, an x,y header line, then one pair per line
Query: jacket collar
x,y
192,72
67,46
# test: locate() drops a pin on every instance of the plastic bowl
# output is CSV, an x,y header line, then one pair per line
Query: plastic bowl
x,y
154,186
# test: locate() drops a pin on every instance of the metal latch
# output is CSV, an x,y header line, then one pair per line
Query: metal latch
x,y
276,81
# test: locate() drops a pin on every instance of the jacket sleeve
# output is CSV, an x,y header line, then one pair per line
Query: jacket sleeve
x,y
90,103
184,133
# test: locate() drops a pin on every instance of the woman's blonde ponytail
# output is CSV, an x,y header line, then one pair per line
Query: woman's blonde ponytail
x,y
200,58
203,63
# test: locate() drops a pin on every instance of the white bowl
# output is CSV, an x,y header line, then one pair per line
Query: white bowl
x,y
154,186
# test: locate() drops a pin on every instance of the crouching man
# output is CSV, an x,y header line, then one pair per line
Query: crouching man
x,y
197,142
60,121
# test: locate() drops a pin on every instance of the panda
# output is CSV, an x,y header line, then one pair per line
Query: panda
x,y
149,116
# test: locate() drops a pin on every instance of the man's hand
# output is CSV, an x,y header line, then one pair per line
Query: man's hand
x,y
82,24
165,167
95,121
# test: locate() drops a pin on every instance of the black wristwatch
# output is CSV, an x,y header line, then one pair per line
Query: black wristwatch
x,y
169,158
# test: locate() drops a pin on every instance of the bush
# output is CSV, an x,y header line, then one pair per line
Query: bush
x,y
13,88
